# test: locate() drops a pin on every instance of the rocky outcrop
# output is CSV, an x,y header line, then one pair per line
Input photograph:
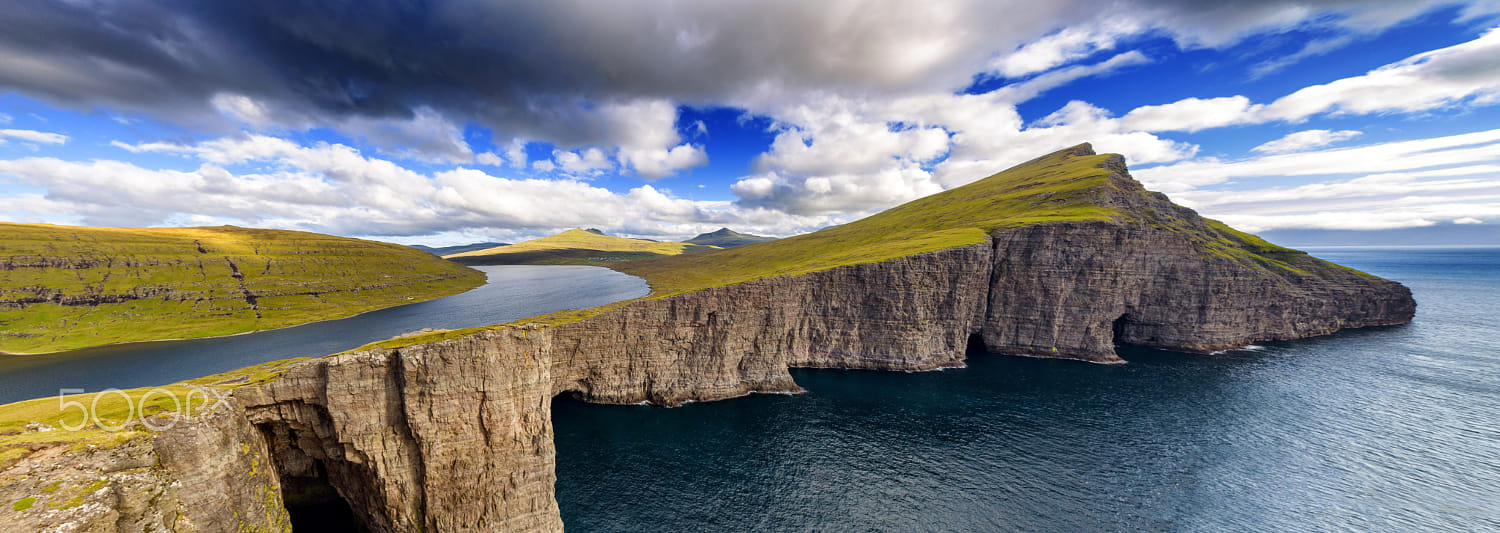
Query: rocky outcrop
x,y
456,435
453,436
209,473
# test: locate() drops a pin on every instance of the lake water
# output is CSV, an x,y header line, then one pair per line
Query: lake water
x,y
512,292
1379,429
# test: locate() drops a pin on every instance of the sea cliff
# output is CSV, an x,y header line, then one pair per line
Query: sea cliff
x,y
455,434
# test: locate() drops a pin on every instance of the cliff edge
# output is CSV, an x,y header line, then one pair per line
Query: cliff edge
x,y
1065,256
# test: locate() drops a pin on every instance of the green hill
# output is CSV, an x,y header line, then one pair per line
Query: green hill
x,y
727,238
65,287
1068,185
575,247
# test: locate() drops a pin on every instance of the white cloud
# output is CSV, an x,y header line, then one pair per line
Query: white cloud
x,y
1065,46
1380,186
334,188
1191,114
1021,92
516,153
1304,140
1467,220
652,163
588,161
40,137
1429,80
489,158
243,109
4,118
1454,150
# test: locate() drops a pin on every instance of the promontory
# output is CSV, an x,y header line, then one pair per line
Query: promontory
x,y
1065,256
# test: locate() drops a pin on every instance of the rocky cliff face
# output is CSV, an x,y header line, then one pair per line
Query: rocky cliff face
x,y
456,435
210,473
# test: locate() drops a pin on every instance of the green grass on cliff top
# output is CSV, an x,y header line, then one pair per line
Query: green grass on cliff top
x,y
56,282
1054,188
574,247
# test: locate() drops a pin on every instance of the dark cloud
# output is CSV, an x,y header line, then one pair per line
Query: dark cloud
x,y
540,70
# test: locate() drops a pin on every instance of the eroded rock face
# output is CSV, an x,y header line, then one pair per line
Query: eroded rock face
x,y
452,436
1076,290
913,313
209,473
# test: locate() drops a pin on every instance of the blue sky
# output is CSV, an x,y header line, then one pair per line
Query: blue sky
x,y
459,121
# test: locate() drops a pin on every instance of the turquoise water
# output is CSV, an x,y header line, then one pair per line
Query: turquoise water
x,y
511,293
1379,429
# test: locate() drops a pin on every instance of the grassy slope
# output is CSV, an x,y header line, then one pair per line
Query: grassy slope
x,y
575,247
186,285
1058,187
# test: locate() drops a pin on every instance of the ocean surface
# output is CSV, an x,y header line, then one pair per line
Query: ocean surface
x,y
1379,429
511,293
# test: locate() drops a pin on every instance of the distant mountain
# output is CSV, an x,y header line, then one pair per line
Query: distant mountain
x,y
449,250
725,238
574,247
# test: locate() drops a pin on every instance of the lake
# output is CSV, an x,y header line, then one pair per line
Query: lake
x,y
511,293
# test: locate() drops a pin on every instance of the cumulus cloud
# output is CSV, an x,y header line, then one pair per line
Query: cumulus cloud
x,y
334,188
582,162
863,97
1303,140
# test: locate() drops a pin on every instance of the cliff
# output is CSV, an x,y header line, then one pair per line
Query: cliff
x,y
452,432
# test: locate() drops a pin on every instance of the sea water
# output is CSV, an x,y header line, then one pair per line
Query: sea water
x,y
1378,429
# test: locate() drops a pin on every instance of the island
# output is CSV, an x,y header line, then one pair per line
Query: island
x,y
1065,256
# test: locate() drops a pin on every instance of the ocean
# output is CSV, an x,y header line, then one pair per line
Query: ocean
x,y
1378,429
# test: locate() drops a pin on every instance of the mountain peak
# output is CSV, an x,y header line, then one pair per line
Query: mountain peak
x,y
725,238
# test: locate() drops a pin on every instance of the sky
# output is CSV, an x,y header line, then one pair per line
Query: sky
x,y
449,122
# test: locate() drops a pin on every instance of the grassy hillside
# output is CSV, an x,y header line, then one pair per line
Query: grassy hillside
x,y
727,238
1059,187
575,247
67,287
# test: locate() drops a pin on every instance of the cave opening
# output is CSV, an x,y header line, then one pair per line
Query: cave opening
x,y
1122,328
311,502
976,345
